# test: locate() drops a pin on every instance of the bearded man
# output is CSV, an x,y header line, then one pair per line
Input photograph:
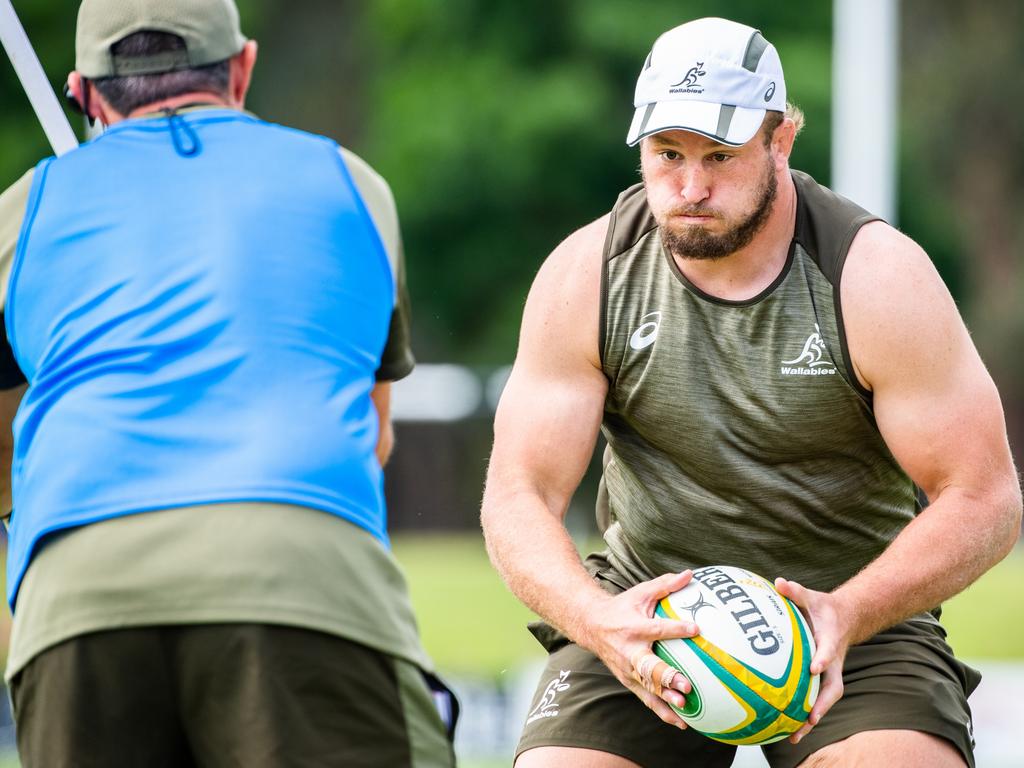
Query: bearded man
x,y
783,381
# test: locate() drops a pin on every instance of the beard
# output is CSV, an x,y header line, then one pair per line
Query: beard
x,y
692,241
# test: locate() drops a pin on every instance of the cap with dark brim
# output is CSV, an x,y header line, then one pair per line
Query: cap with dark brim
x,y
210,28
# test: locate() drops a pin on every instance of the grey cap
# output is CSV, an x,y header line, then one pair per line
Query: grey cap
x,y
210,28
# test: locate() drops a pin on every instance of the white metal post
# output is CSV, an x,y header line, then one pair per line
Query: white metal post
x,y
33,80
865,89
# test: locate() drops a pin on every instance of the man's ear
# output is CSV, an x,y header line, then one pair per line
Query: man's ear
x,y
782,140
242,65
90,102
73,92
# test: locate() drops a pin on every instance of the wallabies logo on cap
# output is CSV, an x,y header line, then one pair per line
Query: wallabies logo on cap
x,y
689,83
691,76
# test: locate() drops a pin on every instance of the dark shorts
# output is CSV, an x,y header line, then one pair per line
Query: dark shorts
x,y
905,678
226,695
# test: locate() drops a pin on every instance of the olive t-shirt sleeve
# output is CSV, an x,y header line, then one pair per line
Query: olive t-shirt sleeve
x,y
397,360
12,212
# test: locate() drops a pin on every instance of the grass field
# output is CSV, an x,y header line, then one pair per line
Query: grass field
x,y
472,625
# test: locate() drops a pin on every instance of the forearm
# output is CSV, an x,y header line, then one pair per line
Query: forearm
x,y
10,399
6,453
381,396
941,552
532,550
385,442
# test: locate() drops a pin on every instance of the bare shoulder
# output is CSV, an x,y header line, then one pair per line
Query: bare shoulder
x,y
884,262
575,261
564,299
934,402
895,304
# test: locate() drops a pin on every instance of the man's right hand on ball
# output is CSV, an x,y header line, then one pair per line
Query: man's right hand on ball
x,y
621,629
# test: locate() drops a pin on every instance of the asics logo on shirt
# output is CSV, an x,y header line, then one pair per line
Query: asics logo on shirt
x,y
647,333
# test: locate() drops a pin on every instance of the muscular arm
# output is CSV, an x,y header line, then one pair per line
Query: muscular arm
x,y
544,435
940,415
939,412
545,430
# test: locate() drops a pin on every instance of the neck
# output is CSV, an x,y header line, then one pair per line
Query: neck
x,y
198,97
747,272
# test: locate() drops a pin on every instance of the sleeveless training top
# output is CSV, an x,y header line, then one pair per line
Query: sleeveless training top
x,y
737,431
202,325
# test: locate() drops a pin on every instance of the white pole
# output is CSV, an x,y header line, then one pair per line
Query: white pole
x,y
865,88
33,80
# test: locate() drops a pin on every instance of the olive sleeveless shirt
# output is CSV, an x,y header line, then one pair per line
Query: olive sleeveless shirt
x,y
737,431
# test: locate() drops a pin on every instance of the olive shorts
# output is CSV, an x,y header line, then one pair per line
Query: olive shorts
x,y
904,678
226,695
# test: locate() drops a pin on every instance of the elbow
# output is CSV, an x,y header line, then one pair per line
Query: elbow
x,y
1017,509
496,523
1013,508
487,510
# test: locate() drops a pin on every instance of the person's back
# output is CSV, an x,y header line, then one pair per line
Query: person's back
x,y
208,310
235,338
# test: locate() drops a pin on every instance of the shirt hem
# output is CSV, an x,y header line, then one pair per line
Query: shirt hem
x,y
172,615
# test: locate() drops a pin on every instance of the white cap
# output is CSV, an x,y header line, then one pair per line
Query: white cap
x,y
710,76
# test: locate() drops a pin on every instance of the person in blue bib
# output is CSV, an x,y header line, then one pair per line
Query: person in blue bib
x,y
204,314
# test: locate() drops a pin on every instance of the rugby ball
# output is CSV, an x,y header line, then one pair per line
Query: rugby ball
x,y
750,666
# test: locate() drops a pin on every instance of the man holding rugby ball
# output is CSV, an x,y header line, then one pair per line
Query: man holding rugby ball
x,y
785,385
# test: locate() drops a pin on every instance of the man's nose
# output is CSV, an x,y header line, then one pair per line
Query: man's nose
x,y
695,185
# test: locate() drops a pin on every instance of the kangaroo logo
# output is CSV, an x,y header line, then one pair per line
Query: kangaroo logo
x,y
547,706
690,81
813,353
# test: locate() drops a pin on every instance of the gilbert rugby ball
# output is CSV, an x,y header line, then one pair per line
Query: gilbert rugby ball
x,y
750,664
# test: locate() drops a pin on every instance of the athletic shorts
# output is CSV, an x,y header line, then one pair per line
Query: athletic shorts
x,y
226,695
903,678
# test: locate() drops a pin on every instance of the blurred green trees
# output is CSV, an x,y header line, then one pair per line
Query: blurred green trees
x,y
500,125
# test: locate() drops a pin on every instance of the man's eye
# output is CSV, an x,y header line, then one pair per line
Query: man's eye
x,y
668,154
720,157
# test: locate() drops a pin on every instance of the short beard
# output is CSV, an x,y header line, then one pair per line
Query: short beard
x,y
695,242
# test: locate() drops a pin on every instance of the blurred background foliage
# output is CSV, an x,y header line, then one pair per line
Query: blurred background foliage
x,y
500,126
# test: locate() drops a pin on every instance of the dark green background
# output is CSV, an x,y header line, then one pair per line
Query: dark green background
x,y
500,125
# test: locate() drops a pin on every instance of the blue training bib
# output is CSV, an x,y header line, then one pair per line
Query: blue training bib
x,y
196,328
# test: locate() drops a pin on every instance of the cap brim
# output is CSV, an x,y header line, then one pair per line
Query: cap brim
x,y
723,123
